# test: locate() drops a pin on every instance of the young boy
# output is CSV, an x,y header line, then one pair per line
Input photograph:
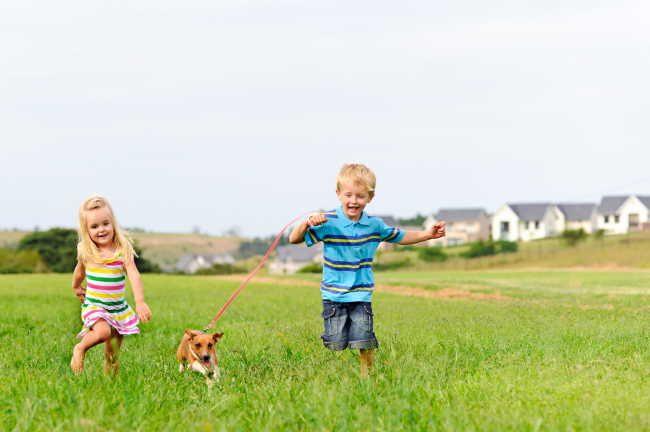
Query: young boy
x,y
350,240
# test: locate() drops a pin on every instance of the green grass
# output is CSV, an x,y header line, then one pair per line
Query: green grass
x,y
550,357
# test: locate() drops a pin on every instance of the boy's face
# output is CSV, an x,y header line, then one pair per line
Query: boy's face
x,y
354,198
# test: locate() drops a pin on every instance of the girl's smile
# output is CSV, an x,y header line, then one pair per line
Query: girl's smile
x,y
100,227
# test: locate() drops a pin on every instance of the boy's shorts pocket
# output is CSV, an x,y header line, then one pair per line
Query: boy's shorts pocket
x,y
329,310
367,308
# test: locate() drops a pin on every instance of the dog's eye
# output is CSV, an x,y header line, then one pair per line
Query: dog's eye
x,y
198,345
209,345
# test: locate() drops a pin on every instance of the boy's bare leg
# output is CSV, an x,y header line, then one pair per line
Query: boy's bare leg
x,y
111,353
100,332
366,357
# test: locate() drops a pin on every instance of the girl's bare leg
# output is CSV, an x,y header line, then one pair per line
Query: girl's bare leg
x,y
366,357
100,332
111,353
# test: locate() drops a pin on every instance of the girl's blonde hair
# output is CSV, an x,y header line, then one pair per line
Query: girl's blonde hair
x,y
87,250
358,174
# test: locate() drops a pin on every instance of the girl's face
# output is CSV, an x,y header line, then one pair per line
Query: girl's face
x,y
100,227
354,198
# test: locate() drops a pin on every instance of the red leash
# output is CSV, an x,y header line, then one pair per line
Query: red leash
x,y
251,274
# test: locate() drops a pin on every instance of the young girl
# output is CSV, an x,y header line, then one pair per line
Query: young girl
x,y
104,253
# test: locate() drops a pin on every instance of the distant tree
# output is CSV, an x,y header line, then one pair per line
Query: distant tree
x,y
314,267
431,254
144,265
258,246
57,247
599,234
220,269
504,246
573,237
416,220
26,261
479,249
233,231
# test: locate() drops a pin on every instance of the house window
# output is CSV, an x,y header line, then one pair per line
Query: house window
x,y
606,219
505,227
536,224
616,218
528,225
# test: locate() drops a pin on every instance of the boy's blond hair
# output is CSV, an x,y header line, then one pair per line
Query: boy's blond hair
x,y
87,250
358,174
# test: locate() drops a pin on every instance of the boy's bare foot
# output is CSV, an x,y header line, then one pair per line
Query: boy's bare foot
x,y
77,362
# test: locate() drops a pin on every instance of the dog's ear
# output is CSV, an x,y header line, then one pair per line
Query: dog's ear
x,y
217,336
191,333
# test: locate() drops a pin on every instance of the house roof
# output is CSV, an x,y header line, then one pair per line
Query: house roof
x,y
577,211
460,214
645,200
297,253
184,261
530,211
611,204
388,220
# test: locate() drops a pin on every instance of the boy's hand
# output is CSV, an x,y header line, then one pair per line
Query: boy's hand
x,y
143,311
80,292
315,219
438,230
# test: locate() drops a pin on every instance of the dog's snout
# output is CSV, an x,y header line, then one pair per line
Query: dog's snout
x,y
206,358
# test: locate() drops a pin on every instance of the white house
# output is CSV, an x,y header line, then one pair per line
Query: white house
x,y
463,225
291,258
622,214
525,221
575,216
192,263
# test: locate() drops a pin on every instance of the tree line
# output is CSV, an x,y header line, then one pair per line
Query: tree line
x,y
54,250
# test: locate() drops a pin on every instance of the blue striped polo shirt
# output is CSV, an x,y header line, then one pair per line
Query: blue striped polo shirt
x,y
349,248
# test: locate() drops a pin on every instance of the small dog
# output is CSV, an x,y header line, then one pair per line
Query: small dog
x,y
197,352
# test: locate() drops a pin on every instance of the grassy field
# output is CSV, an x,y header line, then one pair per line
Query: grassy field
x,y
558,350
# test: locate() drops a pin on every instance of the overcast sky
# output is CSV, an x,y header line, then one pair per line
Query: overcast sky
x,y
219,114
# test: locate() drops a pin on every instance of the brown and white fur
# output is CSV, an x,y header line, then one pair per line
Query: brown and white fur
x,y
197,352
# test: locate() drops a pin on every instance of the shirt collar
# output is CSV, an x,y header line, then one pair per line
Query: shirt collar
x,y
363,220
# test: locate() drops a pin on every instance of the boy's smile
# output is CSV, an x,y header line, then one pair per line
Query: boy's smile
x,y
354,198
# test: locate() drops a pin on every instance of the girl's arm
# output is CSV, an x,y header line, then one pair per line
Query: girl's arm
x,y
436,231
77,279
141,308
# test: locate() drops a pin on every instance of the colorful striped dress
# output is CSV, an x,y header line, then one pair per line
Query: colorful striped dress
x,y
105,290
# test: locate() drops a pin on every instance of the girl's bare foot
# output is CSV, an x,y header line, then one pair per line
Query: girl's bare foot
x,y
77,362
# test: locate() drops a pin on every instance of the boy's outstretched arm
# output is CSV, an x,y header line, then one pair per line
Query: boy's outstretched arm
x,y
298,233
436,231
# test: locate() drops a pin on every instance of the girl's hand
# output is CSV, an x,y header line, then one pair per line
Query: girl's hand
x,y
438,230
143,311
80,292
315,219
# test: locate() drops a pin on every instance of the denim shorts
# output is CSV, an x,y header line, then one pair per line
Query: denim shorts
x,y
348,325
